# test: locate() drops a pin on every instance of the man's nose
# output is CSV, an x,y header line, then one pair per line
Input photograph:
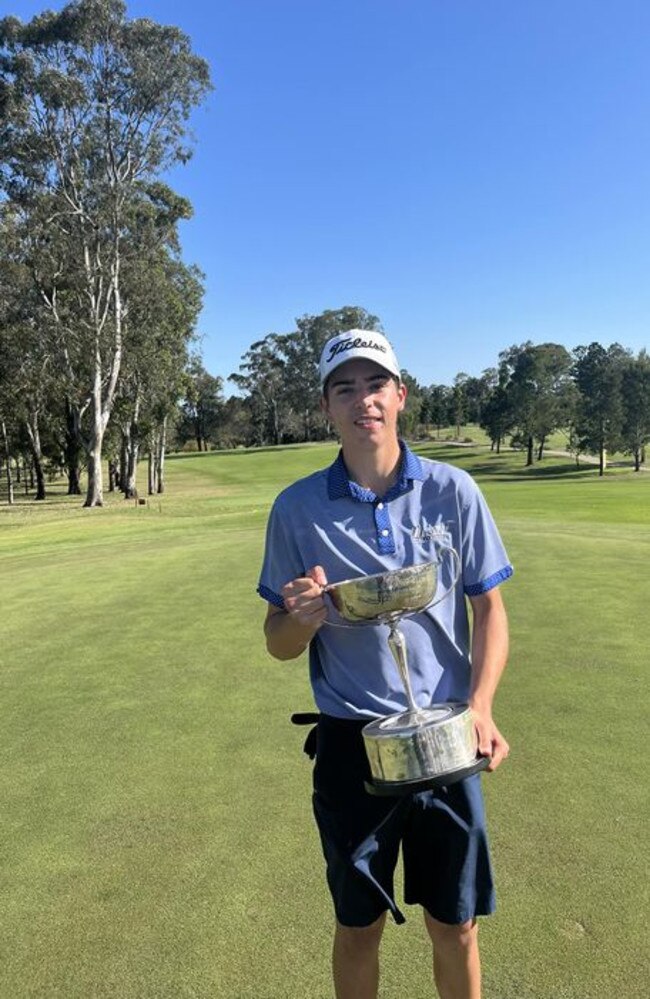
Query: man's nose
x,y
363,397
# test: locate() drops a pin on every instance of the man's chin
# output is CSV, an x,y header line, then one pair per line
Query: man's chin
x,y
370,437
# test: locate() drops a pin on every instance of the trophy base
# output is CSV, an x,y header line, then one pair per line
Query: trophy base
x,y
426,747
397,788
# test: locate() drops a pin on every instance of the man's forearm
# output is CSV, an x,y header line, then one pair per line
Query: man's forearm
x,y
289,630
489,648
287,638
489,655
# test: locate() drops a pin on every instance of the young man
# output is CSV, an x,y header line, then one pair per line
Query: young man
x,y
380,507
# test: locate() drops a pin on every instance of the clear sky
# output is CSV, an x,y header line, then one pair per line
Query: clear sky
x,y
474,172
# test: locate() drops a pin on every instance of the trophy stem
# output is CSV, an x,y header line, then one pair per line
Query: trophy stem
x,y
397,645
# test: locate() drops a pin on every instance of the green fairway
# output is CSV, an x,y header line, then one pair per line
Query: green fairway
x,y
155,833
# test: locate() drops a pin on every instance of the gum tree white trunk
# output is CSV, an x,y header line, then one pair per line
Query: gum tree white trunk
x,y
10,481
160,463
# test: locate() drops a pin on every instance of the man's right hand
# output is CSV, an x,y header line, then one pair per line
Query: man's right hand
x,y
290,630
303,598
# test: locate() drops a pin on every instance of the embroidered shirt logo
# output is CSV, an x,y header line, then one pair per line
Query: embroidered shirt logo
x,y
427,532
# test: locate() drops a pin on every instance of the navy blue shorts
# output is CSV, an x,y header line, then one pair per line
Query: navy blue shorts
x,y
441,832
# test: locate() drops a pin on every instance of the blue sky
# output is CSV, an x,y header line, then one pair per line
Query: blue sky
x,y
474,172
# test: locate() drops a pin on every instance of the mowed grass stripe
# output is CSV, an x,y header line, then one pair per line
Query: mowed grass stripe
x,y
155,832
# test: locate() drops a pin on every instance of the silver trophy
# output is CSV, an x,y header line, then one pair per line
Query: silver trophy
x,y
421,747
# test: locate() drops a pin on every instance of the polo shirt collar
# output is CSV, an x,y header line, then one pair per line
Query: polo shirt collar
x,y
339,484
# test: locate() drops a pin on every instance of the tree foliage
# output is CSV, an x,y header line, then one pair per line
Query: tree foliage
x,y
536,381
202,406
93,107
598,375
635,396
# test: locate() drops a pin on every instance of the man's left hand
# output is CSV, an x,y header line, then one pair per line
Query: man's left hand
x,y
490,741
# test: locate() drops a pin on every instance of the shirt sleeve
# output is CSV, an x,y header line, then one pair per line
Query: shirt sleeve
x,y
484,558
282,558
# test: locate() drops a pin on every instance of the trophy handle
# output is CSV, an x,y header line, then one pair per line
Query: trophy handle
x,y
455,571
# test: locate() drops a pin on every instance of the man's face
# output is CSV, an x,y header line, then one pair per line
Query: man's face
x,y
363,402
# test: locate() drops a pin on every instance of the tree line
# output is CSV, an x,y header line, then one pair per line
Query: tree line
x,y
97,308
599,396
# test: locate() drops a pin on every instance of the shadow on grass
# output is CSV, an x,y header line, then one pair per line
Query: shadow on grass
x,y
508,466
453,454
60,497
52,498
539,471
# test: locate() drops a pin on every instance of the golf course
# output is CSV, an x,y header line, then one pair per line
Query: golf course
x,y
156,838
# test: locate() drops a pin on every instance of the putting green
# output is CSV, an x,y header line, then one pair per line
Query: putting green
x,y
155,828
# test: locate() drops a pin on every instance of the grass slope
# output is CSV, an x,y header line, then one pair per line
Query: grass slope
x,y
155,835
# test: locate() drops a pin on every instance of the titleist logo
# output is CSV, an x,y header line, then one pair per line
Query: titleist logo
x,y
343,345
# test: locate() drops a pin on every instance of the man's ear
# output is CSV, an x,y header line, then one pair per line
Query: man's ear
x,y
402,392
324,406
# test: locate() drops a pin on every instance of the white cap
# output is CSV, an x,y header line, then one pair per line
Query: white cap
x,y
354,345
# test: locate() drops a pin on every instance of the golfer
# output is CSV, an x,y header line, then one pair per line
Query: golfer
x,y
380,507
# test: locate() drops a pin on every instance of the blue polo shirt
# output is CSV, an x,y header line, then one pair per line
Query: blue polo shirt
x,y
327,519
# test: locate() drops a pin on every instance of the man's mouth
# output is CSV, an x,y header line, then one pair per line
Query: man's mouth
x,y
367,421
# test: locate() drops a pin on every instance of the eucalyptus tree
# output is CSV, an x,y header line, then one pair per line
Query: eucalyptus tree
x,y
7,398
35,383
263,379
49,301
635,399
598,373
555,393
477,392
492,405
6,451
235,423
459,401
537,379
175,316
93,107
496,413
201,405
437,406
163,298
27,347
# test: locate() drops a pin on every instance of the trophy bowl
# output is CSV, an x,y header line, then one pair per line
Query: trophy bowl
x,y
385,594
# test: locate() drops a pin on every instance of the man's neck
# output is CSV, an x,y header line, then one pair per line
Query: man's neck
x,y
374,470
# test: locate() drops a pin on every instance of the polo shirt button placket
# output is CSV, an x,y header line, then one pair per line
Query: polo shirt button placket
x,y
385,541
